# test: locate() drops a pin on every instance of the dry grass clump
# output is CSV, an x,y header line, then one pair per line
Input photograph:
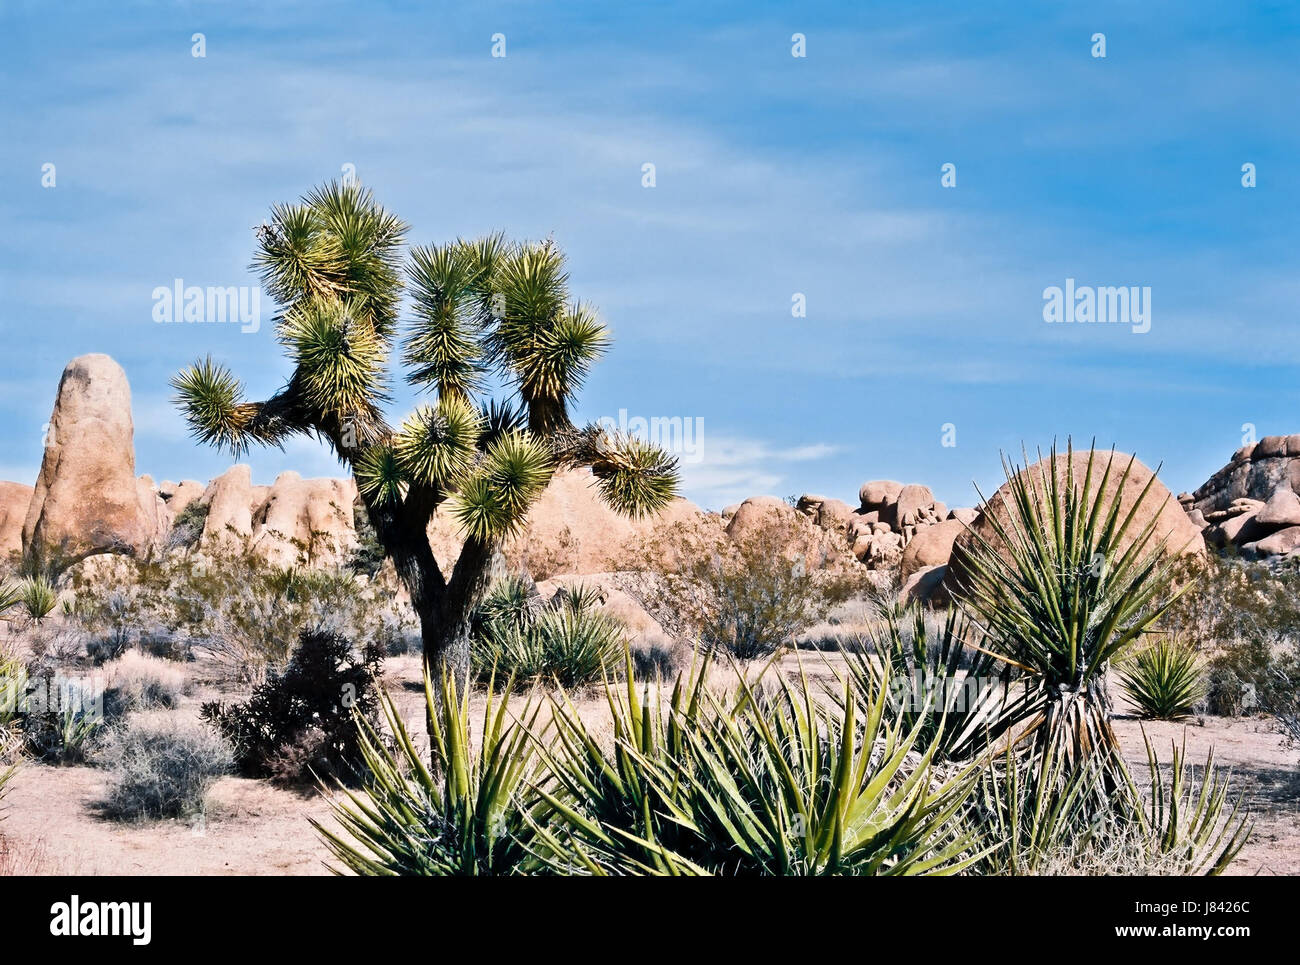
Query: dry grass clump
x,y
137,681
161,766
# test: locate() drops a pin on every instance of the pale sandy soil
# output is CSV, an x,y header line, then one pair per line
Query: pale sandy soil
x,y
254,827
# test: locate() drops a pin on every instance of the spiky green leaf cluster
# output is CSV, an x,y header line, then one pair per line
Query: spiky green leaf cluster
x,y
341,361
337,243
438,445
1164,680
451,286
212,402
772,784
634,477
1037,814
379,475
463,812
568,641
492,503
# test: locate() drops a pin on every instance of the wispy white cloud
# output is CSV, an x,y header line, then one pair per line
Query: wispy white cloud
x,y
733,468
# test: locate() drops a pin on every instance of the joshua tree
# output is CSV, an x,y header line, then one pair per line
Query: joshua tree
x,y
486,312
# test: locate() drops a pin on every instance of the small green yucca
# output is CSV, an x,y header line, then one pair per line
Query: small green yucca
x,y
1164,680
567,641
38,597
466,811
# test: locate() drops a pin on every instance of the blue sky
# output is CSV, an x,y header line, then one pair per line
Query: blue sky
x,y
774,175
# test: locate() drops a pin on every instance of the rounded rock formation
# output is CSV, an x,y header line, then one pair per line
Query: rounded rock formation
x,y
86,499
1179,535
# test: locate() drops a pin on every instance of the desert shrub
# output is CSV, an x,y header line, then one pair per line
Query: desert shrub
x,y
299,722
187,527
1231,599
239,611
1244,618
658,660
110,620
160,766
137,681
739,783
469,808
568,640
749,596
1163,681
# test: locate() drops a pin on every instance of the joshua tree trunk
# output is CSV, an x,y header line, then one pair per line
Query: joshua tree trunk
x,y
443,606
446,634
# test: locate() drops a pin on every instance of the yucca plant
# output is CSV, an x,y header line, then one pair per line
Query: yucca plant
x,y
567,641
1032,809
471,812
11,595
1037,815
485,312
1186,820
511,601
1164,680
960,696
751,783
1066,583
38,598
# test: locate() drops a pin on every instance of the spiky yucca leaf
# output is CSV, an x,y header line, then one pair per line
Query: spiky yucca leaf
x,y
212,401
957,694
478,510
10,595
567,645
469,811
379,475
444,345
1164,680
519,466
38,597
1187,819
531,285
491,504
338,243
1040,815
556,364
766,785
438,445
1066,583
500,418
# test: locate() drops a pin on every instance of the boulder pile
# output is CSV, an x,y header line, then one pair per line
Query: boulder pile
x,y
893,525
1251,506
